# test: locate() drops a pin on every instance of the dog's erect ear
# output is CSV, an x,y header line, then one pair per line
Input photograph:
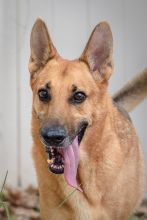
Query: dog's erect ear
x,y
98,52
42,48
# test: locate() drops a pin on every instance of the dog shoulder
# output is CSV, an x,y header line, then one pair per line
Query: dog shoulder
x,y
122,111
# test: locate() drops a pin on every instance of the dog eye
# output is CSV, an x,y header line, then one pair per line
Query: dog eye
x,y
78,97
43,95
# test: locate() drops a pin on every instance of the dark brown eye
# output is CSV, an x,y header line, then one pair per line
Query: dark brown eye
x,y
43,95
78,97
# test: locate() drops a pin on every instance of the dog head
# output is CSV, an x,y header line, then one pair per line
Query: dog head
x,y
68,96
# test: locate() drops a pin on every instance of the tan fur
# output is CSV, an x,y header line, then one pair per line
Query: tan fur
x,y
111,167
133,93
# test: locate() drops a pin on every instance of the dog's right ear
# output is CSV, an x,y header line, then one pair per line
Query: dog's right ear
x,y
42,48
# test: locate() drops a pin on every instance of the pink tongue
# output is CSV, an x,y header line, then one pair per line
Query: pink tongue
x,y
71,159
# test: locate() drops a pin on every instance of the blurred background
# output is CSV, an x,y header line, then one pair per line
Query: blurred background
x,y
70,23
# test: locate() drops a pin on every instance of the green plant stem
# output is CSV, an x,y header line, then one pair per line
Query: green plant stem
x,y
2,203
61,204
3,185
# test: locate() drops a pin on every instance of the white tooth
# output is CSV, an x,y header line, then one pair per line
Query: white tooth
x,y
50,161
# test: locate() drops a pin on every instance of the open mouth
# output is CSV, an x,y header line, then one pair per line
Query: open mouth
x,y
56,154
65,159
55,160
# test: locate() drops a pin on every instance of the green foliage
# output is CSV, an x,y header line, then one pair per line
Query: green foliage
x,y
2,202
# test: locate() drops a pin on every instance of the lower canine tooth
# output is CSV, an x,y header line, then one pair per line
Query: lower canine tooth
x,y
49,161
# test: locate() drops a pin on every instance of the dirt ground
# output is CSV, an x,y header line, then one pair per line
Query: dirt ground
x,y
24,205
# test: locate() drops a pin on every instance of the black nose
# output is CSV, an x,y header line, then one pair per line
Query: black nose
x,y
53,136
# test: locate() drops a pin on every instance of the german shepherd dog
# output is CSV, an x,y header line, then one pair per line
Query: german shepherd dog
x,y
82,138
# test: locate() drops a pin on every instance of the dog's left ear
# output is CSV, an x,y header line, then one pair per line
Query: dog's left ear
x,y
42,48
98,52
